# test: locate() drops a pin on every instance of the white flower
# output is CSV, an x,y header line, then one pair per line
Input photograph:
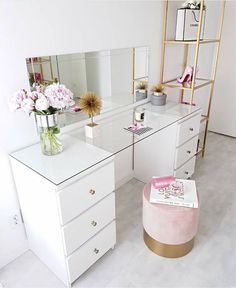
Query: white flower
x,y
15,102
27,105
42,103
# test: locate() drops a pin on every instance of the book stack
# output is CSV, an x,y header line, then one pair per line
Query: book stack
x,y
171,191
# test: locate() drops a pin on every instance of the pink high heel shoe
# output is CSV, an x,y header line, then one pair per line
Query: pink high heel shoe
x,y
187,76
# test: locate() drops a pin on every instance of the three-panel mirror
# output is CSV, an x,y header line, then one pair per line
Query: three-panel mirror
x,y
119,76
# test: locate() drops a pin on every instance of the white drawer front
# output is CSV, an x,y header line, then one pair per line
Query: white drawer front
x,y
79,196
89,223
185,152
188,129
91,251
187,170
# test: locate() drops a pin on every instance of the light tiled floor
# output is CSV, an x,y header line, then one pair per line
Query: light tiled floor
x,y
212,262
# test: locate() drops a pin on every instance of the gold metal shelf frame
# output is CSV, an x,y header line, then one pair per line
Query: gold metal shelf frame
x,y
196,82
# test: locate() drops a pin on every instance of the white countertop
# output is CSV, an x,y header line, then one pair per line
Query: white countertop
x,y
80,154
76,157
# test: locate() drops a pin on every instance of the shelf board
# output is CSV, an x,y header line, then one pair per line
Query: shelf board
x,y
188,103
40,61
199,151
204,118
200,82
140,78
192,42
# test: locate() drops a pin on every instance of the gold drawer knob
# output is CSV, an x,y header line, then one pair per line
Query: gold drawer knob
x,y
191,129
92,192
96,251
94,223
189,152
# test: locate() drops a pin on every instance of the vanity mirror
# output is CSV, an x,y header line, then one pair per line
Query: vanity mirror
x,y
119,76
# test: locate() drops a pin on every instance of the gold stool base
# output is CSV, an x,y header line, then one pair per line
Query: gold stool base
x,y
167,250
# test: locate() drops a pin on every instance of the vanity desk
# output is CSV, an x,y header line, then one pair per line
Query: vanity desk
x,y
68,200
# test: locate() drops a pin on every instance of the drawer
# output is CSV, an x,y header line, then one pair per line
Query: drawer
x,y
91,251
185,152
89,223
188,129
187,170
79,196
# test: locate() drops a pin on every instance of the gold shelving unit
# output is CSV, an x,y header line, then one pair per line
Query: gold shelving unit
x,y
39,61
196,81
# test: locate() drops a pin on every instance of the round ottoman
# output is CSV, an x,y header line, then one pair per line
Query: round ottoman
x,y
168,230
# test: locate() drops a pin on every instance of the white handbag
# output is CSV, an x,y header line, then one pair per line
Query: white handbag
x,y
187,24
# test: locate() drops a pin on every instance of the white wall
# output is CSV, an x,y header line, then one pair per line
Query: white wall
x,y
141,62
72,72
98,72
32,28
121,75
223,114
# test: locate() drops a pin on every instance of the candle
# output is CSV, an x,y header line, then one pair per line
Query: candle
x,y
139,114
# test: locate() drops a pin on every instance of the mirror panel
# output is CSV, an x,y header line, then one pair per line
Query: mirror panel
x,y
114,75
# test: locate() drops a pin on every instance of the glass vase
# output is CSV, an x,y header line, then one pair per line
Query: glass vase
x,y
49,133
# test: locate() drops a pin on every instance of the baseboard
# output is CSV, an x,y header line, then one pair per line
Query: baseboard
x,y
14,254
124,180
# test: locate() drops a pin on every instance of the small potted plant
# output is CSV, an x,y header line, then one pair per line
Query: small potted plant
x,y
91,105
158,97
141,90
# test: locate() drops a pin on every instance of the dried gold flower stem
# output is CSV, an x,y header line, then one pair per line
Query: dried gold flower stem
x,y
90,104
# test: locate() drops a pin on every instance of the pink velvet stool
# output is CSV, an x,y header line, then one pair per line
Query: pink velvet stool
x,y
169,231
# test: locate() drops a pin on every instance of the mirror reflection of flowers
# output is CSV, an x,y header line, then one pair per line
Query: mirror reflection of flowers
x,y
90,104
43,100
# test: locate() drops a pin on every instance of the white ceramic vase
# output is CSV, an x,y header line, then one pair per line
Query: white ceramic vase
x,y
91,130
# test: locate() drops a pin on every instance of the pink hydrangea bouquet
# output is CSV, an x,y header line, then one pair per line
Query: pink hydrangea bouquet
x,y
42,100
45,102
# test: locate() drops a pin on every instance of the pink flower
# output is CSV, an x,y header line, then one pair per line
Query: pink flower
x,y
16,100
13,105
76,109
34,95
38,87
59,96
40,99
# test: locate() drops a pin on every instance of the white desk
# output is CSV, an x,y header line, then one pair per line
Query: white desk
x,y
67,200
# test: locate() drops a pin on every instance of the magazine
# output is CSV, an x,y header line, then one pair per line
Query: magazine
x,y
138,128
179,192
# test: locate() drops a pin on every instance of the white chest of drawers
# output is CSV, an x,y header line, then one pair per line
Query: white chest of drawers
x,y
67,200
71,225
186,145
171,151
